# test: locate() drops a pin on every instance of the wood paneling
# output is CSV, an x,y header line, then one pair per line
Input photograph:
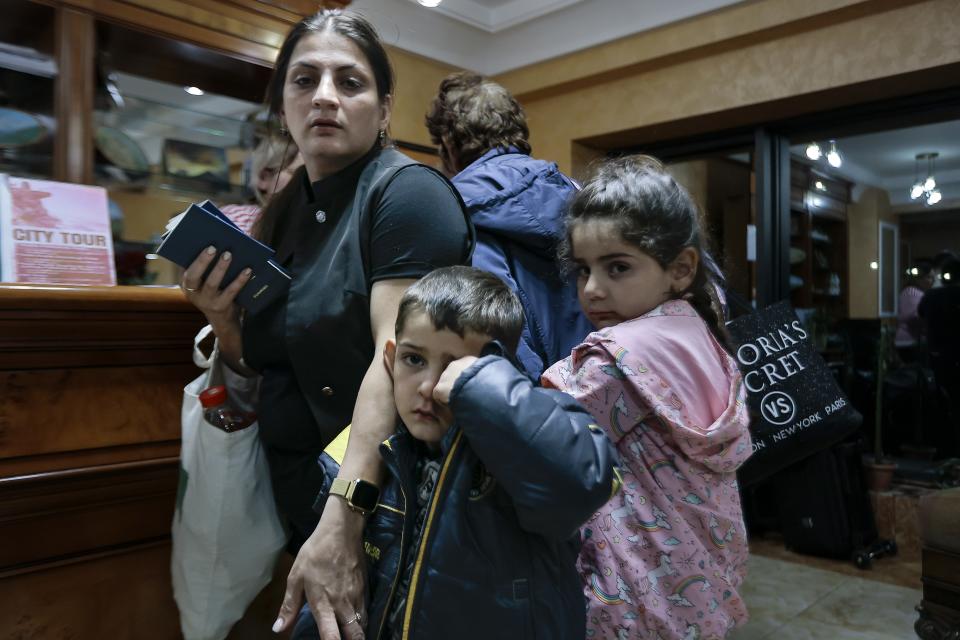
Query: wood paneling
x,y
48,327
121,594
30,424
246,29
91,383
73,103
94,508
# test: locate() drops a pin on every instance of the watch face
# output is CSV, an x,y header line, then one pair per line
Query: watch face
x,y
365,495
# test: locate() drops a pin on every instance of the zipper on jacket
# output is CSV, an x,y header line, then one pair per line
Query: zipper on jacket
x,y
425,536
396,575
391,463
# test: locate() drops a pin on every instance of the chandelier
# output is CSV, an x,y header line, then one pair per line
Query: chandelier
x,y
927,188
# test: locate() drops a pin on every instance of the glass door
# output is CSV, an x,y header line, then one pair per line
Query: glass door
x,y
722,184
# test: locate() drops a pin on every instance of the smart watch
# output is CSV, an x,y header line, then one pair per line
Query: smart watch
x,y
361,496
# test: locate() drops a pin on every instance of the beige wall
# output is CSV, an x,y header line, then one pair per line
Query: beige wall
x,y
728,62
693,176
864,217
417,80
722,190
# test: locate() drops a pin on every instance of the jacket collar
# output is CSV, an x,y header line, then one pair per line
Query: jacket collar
x,y
489,155
402,447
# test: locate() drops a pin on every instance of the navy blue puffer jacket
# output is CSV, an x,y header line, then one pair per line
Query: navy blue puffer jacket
x,y
517,205
522,469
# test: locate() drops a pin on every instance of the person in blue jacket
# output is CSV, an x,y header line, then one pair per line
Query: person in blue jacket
x,y
489,477
516,203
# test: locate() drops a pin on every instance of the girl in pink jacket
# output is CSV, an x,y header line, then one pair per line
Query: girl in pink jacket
x,y
665,558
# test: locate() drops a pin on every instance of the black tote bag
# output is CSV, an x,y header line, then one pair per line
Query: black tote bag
x,y
796,406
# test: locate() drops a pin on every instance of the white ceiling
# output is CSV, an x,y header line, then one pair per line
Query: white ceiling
x,y
496,15
887,160
493,36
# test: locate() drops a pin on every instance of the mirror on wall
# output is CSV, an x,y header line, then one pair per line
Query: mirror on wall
x,y
174,124
889,269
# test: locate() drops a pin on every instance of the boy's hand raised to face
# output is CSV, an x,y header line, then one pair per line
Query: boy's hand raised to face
x,y
441,392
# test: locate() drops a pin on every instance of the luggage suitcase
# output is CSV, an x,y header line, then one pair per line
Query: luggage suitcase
x,y
825,509
939,474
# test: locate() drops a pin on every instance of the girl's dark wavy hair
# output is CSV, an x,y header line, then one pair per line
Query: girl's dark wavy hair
x,y
273,220
655,214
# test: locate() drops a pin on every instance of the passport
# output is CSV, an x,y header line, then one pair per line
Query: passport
x,y
203,225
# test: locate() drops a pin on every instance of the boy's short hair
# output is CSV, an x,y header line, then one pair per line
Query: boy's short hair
x,y
465,299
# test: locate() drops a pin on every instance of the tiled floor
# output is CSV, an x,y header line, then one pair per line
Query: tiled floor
x,y
902,569
793,601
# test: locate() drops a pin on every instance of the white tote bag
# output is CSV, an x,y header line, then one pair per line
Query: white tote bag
x,y
226,533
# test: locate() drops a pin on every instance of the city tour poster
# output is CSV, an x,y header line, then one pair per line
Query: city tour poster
x,y
54,233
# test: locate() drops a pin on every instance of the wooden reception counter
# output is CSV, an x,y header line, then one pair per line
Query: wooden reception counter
x,y
91,383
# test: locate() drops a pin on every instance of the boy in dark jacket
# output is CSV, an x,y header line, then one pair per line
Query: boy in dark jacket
x,y
475,534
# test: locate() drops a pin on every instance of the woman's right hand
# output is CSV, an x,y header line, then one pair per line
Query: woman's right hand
x,y
218,306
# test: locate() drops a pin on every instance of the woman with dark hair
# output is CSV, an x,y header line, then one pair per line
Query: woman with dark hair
x,y
358,223
517,204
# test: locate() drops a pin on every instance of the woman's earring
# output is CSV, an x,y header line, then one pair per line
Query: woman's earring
x,y
283,130
383,137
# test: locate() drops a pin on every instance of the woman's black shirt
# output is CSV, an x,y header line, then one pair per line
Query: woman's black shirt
x,y
384,217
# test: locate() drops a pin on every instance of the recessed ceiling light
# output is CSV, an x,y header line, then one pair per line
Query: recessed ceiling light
x,y
833,156
430,3
194,91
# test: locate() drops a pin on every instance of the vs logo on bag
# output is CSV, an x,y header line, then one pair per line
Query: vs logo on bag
x,y
778,408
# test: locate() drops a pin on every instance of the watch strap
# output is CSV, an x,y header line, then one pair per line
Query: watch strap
x,y
342,488
346,489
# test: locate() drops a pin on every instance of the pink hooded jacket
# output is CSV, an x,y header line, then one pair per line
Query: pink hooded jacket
x,y
666,556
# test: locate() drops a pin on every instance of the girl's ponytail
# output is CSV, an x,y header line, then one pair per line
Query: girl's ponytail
x,y
702,297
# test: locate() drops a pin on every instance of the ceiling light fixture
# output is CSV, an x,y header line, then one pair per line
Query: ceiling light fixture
x,y
815,152
925,188
833,156
819,185
194,91
430,3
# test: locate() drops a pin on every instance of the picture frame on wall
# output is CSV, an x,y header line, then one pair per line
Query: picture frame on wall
x,y
182,159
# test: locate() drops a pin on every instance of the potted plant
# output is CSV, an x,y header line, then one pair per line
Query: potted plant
x,y
880,468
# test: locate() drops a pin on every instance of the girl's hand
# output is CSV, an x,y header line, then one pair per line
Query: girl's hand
x,y
441,392
218,306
